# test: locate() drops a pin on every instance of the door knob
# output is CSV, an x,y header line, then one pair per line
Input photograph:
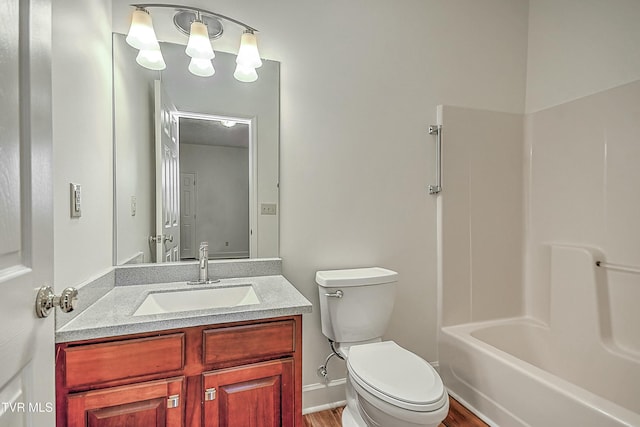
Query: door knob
x,y
46,300
161,238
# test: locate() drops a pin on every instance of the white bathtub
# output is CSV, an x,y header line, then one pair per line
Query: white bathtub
x,y
567,372
511,372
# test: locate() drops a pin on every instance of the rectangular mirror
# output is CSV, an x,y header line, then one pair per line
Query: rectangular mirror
x,y
195,159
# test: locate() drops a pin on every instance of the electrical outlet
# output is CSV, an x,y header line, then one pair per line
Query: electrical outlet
x,y
268,208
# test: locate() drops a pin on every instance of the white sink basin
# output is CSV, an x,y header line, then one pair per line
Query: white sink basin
x,y
197,299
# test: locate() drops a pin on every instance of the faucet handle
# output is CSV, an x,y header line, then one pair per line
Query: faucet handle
x,y
204,249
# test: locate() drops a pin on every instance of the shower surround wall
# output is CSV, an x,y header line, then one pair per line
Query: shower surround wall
x,y
480,215
583,188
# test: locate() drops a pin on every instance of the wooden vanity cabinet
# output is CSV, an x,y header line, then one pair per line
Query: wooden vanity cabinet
x,y
244,374
152,404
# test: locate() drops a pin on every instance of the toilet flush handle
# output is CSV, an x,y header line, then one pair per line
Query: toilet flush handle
x,y
336,294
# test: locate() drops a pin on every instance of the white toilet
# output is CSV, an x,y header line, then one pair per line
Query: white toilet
x,y
387,386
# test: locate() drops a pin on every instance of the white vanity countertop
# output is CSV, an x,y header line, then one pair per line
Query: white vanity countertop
x,y
112,315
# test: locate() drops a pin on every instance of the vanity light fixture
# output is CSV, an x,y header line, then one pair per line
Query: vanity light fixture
x,y
143,37
228,123
151,59
201,26
248,55
199,46
141,34
201,67
245,74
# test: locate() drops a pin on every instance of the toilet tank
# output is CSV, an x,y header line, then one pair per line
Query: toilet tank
x,y
362,312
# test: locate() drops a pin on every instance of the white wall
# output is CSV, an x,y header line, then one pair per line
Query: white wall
x,y
222,195
580,47
82,138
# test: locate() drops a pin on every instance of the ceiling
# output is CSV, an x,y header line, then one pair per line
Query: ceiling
x,y
212,132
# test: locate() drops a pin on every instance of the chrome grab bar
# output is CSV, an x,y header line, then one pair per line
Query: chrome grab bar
x,y
437,131
618,267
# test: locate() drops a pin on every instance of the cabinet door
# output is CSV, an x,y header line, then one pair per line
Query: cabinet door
x,y
257,395
150,404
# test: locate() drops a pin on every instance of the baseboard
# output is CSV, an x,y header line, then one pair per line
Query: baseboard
x,y
228,255
322,396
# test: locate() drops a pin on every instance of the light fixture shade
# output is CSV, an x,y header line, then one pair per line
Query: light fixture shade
x,y
151,59
201,67
248,55
228,123
245,74
199,45
141,34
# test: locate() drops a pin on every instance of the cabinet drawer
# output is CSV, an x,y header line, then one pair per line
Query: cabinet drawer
x,y
99,363
248,342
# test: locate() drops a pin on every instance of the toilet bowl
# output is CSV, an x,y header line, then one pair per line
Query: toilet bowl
x,y
394,387
387,385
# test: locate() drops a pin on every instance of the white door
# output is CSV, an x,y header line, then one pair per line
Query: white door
x,y
188,193
26,229
167,178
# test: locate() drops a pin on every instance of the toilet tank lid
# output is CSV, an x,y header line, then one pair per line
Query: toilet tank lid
x,y
355,277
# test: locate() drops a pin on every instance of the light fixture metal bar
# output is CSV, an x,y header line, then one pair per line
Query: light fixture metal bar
x,y
194,9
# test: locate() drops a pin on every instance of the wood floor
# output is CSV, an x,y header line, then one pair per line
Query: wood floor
x,y
459,416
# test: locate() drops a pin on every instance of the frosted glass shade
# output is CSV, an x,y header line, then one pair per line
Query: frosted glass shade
x,y
141,34
201,67
245,74
199,45
248,55
151,59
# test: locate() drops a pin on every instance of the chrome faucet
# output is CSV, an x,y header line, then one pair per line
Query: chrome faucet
x,y
204,262
203,266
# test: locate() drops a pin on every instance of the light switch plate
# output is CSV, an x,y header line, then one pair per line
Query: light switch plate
x,y
268,208
76,200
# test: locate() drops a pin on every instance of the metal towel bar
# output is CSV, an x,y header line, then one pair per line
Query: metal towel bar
x,y
618,267
437,131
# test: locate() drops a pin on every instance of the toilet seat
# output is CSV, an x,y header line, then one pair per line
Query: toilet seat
x,y
396,376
